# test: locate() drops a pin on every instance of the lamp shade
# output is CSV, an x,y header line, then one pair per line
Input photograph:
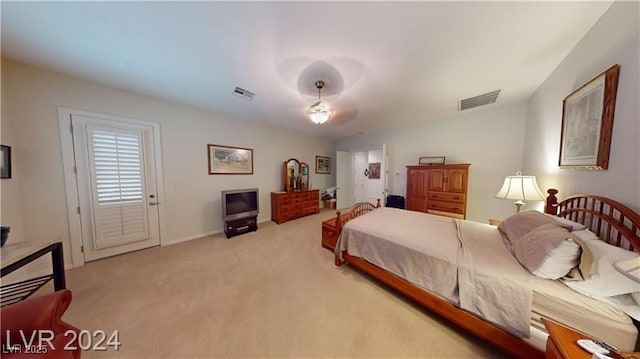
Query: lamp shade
x,y
319,113
629,267
521,188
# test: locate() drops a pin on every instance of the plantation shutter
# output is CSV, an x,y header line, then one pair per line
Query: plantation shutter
x,y
118,186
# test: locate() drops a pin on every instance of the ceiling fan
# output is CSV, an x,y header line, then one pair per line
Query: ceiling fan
x,y
319,112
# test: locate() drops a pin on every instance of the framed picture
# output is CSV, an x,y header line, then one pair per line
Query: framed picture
x,y
229,160
431,160
587,123
323,165
5,161
374,170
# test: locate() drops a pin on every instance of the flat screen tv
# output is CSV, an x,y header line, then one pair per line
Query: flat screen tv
x,y
239,203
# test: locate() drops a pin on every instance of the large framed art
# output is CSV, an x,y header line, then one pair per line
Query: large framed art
x,y
229,160
587,123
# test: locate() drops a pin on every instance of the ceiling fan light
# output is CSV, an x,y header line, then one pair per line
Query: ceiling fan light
x,y
320,113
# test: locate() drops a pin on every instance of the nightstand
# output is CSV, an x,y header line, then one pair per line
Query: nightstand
x,y
494,222
329,235
561,343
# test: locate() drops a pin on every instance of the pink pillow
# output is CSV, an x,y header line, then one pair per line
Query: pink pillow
x,y
518,225
548,251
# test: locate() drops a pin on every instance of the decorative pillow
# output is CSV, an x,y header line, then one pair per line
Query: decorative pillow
x,y
518,225
567,223
604,280
548,251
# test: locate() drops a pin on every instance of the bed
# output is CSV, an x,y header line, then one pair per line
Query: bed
x,y
475,282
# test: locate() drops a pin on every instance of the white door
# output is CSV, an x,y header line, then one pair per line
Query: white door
x,y
344,180
385,173
116,186
360,180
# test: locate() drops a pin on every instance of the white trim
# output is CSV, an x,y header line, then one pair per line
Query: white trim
x,y
197,236
207,234
71,185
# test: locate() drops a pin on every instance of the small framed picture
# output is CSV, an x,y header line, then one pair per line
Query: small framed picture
x,y
374,170
431,160
5,161
323,165
230,160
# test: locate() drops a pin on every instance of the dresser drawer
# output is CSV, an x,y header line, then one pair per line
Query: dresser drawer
x,y
446,206
310,209
446,197
286,206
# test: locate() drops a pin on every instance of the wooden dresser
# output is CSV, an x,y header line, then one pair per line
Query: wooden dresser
x,y
286,206
438,189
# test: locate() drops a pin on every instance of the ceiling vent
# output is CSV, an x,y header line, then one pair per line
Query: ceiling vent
x,y
478,101
245,94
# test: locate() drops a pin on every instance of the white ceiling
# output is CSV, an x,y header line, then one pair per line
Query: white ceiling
x,y
385,64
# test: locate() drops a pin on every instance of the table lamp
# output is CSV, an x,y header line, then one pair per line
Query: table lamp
x,y
520,188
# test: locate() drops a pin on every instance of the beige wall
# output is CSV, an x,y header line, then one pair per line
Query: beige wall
x,y
490,138
33,201
614,39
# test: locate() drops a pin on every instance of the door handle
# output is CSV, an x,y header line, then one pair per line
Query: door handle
x,y
153,200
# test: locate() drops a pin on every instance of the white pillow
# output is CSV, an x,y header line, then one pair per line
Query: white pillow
x,y
604,280
636,297
548,251
559,261
569,224
586,235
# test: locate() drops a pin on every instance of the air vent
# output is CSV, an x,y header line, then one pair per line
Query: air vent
x,y
478,101
245,94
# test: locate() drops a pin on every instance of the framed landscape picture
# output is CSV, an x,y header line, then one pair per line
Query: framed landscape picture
x,y
5,161
323,165
229,160
431,160
587,123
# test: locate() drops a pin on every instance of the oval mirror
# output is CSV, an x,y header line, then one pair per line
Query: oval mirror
x,y
291,174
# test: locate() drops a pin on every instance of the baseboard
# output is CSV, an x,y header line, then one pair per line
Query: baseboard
x,y
202,235
185,239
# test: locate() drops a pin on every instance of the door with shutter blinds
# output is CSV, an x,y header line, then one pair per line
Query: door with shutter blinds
x,y
116,186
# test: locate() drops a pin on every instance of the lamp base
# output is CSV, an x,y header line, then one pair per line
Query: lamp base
x,y
519,205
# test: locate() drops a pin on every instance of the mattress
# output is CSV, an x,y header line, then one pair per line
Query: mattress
x,y
556,301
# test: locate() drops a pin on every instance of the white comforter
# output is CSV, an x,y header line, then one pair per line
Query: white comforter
x,y
463,262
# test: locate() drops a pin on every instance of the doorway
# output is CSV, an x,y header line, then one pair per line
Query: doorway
x,y
113,185
362,176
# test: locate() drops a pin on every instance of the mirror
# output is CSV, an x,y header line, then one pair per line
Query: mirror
x,y
304,175
291,174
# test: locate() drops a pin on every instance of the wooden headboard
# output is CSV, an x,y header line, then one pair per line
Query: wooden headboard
x,y
612,221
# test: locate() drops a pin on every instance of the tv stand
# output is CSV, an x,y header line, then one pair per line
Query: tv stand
x,y
240,226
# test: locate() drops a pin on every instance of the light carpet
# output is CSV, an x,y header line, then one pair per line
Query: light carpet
x,y
274,293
